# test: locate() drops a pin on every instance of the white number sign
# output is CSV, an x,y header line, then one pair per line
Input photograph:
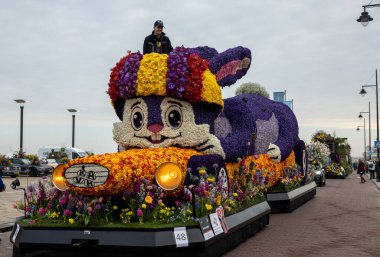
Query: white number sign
x,y
180,236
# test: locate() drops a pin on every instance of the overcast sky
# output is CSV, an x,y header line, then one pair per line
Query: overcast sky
x,y
57,55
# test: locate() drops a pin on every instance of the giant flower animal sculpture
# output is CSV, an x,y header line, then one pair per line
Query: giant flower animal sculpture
x,y
171,112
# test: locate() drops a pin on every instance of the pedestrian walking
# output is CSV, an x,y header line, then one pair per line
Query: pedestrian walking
x,y
2,185
371,168
361,171
157,42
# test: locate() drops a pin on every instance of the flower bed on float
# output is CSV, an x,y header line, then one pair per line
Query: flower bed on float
x,y
187,157
144,202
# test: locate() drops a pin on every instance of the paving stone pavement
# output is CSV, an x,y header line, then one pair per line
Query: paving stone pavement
x,y
342,220
7,198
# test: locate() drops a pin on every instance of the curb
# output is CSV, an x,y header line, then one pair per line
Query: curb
x,y
5,227
377,184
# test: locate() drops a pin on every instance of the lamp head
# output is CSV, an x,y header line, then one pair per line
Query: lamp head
x,y
72,110
357,128
363,92
20,101
360,116
364,18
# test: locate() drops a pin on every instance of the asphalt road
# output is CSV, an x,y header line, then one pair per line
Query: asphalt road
x,y
343,219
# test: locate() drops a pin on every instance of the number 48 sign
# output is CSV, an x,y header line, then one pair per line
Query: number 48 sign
x,y
180,236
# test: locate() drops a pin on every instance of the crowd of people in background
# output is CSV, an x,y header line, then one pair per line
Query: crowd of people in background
x,y
372,168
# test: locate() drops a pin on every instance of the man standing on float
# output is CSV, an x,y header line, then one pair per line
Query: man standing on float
x,y
157,42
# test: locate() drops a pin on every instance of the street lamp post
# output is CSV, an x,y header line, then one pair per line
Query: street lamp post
x,y
363,92
369,129
73,111
21,102
365,152
365,18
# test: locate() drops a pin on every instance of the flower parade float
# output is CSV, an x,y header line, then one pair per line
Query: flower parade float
x,y
340,163
191,171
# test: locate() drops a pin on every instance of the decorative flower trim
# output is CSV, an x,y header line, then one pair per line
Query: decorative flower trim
x,y
151,75
181,74
197,67
273,170
208,94
178,71
232,68
128,75
113,91
127,167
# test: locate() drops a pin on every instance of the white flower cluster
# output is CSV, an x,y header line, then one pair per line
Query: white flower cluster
x,y
319,152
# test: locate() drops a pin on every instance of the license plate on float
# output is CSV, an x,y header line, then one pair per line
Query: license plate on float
x,y
86,175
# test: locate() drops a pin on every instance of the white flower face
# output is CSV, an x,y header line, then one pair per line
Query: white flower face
x,y
172,125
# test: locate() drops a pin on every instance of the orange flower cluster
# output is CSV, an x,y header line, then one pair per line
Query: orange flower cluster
x,y
264,163
127,167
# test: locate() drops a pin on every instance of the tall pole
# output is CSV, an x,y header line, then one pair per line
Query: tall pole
x,y
369,130
377,116
21,128
72,142
365,152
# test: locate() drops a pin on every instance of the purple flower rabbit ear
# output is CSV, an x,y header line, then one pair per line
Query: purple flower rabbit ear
x,y
230,65
205,52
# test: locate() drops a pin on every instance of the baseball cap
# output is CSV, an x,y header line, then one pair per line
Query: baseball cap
x,y
158,23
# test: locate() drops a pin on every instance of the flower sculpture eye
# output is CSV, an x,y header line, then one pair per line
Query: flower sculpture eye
x,y
173,117
137,118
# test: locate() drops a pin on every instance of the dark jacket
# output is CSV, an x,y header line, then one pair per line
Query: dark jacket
x,y
377,167
151,44
2,186
361,167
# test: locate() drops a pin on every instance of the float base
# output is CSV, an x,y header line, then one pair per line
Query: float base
x,y
34,241
289,201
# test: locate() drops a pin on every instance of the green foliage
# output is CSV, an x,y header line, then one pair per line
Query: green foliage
x,y
32,158
338,147
64,160
57,155
4,161
251,88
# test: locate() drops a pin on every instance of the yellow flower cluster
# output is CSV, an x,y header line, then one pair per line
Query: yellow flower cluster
x,y
54,215
151,77
126,215
126,167
211,90
148,199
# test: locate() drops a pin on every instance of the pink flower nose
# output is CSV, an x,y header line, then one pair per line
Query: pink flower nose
x,y
155,128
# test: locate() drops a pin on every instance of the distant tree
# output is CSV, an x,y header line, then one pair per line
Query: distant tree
x,y
251,88
18,154
4,161
57,155
33,158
